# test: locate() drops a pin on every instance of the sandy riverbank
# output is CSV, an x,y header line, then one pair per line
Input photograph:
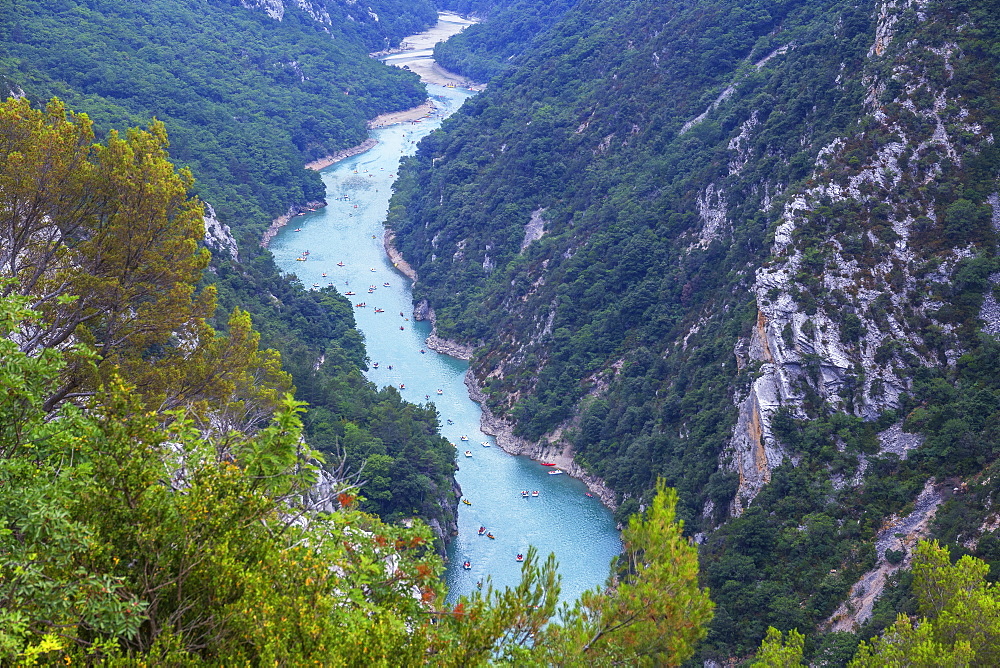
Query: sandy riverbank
x,y
323,163
388,242
405,116
416,53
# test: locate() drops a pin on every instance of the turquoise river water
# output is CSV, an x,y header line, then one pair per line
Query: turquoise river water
x,y
562,518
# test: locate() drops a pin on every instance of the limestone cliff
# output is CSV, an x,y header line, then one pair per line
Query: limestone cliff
x,y
843,310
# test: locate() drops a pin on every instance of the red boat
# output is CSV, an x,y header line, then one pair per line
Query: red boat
x,y
547,464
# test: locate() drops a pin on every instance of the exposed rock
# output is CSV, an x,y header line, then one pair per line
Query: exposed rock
x,y
557,451
534,229
276,8
401,265
729,90
423,311
712,211
800,337
898,442
899,534
218,237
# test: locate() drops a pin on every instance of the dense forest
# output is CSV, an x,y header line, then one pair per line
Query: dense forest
x,y
746,248
159,504
247,99
483,50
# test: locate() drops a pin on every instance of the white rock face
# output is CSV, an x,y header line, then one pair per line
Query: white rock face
x,y
218,237
885,282
712,211
276,8
534,229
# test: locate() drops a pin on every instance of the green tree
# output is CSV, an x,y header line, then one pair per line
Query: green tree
x,y
779,652
654,614
104,239
960,616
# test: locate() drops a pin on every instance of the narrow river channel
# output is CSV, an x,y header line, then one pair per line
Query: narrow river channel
x,y
344,241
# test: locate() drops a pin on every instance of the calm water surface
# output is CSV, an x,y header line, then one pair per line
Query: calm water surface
x,y
562,519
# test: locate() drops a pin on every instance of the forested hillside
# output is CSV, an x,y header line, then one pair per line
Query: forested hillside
x,y
485,49
750,248
247,96
248,93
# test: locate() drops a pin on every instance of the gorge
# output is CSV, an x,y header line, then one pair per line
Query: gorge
x,y
344,241
742,250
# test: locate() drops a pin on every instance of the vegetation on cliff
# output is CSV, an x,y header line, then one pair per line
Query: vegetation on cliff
x,y
159,502
247,99
664,206
484,50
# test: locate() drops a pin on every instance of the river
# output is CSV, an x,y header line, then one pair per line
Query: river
x,y
344,241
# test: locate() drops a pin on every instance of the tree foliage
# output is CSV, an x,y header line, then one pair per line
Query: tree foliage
x,y
103,239
247,99
128,537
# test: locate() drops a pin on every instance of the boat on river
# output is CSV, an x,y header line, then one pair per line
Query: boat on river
x,y
547,464
467,565
468,453
349,293
482,531
555,472
465,438
524,494
467,502
340,264
486,444
520,557
535,493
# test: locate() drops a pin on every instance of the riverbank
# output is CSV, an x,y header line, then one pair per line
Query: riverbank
x,y
559,454
333,158
401,265
281,221
423,311
417,113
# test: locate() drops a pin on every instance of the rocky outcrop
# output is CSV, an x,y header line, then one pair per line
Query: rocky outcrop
x,y
276,8
840,320
218,236
899,534
534,229
397,258
423,311
557,450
